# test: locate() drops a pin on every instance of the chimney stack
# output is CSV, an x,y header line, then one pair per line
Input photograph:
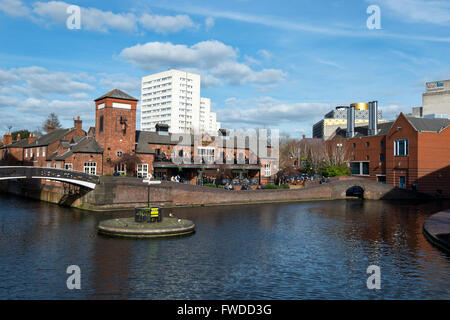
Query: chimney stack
x,y
50,128
373,118
351,121
162,129
18,137
78,124
7,138
31,138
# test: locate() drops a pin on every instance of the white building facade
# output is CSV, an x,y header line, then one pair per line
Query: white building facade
x,y
173,97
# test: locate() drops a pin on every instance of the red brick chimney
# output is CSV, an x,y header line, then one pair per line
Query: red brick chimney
x,y
7,138
50,128
78,124
304,137
31,138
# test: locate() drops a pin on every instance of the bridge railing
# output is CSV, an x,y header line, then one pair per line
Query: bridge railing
x,y
30,172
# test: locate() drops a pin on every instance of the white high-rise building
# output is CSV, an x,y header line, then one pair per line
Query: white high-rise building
x,y
173,97
208,119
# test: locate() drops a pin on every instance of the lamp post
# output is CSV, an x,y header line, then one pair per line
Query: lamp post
x,y
149,182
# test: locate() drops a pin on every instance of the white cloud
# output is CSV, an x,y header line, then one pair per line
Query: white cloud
x,y
211,58
209,23
434,11
91,18
266,111
54,13
14,8
39,82
265,54
165,24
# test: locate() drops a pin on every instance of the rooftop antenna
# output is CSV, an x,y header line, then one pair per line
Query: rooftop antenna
x,y
9,128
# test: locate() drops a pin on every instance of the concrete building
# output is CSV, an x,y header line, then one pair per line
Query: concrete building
x,y
436,99
173,98
208,119
338,118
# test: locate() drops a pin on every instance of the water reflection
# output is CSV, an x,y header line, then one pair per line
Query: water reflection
x,y
317,250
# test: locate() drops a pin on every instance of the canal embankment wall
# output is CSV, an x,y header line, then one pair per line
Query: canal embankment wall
x,y
437,229
125,193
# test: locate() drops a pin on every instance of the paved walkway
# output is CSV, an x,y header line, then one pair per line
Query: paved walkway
x,y
437,229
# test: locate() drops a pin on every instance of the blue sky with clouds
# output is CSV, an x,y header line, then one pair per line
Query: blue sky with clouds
x,y
278,64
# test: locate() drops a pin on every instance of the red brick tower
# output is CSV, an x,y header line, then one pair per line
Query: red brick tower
x,y
115,129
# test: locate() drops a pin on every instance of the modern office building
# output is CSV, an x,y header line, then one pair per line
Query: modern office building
x,y
173,98
337,118
436,99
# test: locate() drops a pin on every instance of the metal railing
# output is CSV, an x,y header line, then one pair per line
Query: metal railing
x,y
30,172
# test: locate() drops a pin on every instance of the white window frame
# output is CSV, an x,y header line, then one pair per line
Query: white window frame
x,y
26,153
142,170
37,152
206,153
397,147
121,168
90,167
68,166
267,170
43,152
31,152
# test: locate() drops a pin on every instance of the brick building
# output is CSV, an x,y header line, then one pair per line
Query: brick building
x,y
114,146
411,153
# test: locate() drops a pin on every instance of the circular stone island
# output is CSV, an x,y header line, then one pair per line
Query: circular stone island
x,y
128,227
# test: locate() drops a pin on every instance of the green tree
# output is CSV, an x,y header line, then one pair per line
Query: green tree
x,y
23,134
52,121
335,171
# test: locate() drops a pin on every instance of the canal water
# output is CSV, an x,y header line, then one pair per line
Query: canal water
x,y
309,250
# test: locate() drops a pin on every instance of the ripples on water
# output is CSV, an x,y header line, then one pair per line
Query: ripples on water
x,y
315,250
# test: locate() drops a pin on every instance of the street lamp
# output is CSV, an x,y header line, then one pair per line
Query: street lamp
x,y
149,182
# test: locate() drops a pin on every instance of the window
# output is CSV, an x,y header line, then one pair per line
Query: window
x,y
381,157
381,143
142,170
119,153
354,146
206,154
31,152
120,168
359,168
267,171
37,152
101,124
43,151
68,166
90,167
367,144
401,147
402,182
355,168
365,168
26,153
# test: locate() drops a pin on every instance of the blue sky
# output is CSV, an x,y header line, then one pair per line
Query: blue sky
x,y
274,64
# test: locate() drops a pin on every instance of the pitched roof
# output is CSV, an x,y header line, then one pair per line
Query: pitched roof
x,y
429,124
363,131
117,94
85,145
51,137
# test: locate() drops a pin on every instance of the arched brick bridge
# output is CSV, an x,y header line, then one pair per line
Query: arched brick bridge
x,y
69,176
